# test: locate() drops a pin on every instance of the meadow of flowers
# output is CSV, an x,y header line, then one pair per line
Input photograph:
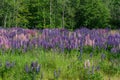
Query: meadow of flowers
x,y
16,38
58,54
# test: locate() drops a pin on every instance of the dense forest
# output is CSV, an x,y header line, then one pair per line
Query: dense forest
x,y
70,14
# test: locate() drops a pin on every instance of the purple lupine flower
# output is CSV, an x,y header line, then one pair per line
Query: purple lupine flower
x,y
20,31
114,50
38,68
34,65
8,65
12,34
55,74
91,55
97,68
27,69
52,38
103,56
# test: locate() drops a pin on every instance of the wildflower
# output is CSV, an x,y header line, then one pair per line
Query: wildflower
x,y
114,50
27,68
8,65
91,54
97,68
34,65
38,68
87,64
55,74
103,56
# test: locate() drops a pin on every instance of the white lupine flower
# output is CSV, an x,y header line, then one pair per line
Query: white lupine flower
x,y
87,63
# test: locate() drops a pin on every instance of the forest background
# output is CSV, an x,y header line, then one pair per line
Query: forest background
x,y
70,14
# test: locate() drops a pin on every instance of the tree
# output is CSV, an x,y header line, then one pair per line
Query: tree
x,y
92,14
68,14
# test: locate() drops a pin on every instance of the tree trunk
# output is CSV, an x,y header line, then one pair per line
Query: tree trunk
x,y
44,22
9,22
63,12
50,13
5,20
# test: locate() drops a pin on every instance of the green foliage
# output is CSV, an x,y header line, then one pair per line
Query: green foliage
x,y
69,14
95,76
113,6
56,65
92,14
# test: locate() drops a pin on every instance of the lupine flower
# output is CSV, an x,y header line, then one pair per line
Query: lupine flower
x,y
8,65
55,74
114,50
33,66
91,55
27,69
97,68
103,56
38,68
87,64
54,38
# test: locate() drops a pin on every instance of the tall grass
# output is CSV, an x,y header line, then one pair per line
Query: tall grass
x,y
56,65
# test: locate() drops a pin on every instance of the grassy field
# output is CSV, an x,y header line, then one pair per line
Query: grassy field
x,y
40,64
